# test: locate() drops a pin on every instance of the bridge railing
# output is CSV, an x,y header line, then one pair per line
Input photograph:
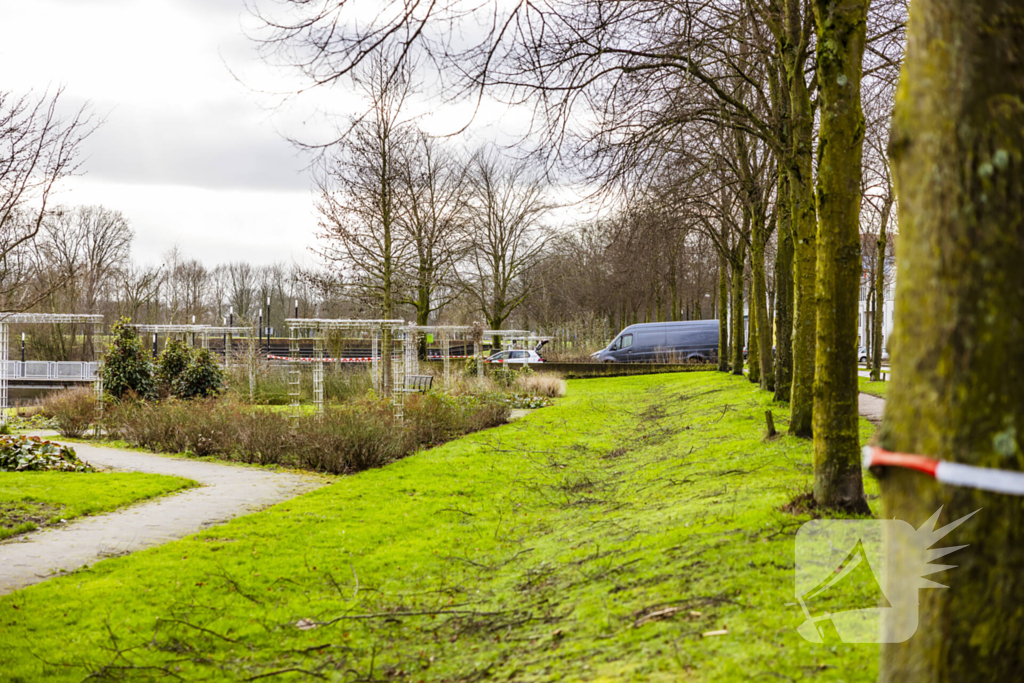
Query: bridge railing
x,y
66,371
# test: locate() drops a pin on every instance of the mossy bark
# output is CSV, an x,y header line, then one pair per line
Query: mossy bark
x,y
957,390
783,295
879,314
723,314
759,307
841,28
804,228
753,355
736,262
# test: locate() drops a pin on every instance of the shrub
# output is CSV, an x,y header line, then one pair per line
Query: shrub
x,y
32,454
263,438
201,378
74,410
504,375
127,367
199,428
172,362
350,439
549,385
432,419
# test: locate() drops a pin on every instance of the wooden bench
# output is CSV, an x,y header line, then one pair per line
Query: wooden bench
x,y
418,384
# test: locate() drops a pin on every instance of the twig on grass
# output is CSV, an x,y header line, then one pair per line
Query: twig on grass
x,y
194,626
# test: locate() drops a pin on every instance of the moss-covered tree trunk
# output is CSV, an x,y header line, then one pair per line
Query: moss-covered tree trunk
x,y
783,295
958,346
759,307
805,230
841,28
736,261
753,357
723,314
879,317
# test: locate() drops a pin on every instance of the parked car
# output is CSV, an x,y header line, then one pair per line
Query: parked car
x,y
692,340
515,356
862,355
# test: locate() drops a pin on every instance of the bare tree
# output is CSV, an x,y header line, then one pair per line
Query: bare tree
x,y
38,148
432,194
507,207
359,195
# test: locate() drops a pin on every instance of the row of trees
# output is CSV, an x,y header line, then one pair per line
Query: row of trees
x,y
733,129
748,119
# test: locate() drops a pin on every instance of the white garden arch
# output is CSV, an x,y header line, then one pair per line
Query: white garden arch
x,y
10,318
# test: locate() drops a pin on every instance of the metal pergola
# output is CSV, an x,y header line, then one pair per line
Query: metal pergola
x,y
446,334
10,318
316,327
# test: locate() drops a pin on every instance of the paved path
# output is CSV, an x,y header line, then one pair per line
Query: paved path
x,y
871,408
226,491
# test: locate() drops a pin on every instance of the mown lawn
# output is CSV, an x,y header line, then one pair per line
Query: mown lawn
x,y
879,389
29,500
597,539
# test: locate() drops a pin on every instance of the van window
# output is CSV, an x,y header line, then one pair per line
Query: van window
x,y
627,341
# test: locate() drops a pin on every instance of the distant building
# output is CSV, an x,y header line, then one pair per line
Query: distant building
x,y
865,315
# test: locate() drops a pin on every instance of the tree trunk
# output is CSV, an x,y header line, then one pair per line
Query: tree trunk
x,y
737,307
879,319
958,346
759,308
753,354
837,463
804,229
723,314
784,295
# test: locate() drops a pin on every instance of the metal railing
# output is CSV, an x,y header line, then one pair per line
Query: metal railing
x,y
65,371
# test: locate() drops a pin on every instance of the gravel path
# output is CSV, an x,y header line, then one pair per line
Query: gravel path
x,y
226,491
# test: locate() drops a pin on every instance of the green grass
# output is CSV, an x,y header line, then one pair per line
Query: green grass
x,y
29,500
596,539
879,389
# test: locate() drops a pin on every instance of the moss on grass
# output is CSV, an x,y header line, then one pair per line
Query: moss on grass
x,y
597,539
29,500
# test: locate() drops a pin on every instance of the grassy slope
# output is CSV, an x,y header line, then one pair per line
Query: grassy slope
x,y
531,552
878,389
30,498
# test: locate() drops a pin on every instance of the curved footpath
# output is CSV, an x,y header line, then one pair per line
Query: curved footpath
x,y
225,491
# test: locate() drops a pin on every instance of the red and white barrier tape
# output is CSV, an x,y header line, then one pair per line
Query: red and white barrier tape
x,y
953,473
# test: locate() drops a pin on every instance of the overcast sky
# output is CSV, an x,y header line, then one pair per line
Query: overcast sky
x,y
189,154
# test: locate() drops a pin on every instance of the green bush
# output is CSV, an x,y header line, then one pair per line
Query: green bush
x,y
127,366
32,454
74,410
172,362
185,372
201,378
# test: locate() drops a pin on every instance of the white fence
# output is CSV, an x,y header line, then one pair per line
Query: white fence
x,y
52,370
